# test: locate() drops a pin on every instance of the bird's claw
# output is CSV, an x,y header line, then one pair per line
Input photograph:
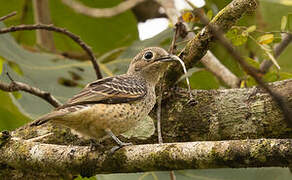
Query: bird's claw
x,y
115,148
94,145
192,102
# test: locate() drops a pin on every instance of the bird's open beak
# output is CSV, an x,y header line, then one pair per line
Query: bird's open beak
x,y
167,58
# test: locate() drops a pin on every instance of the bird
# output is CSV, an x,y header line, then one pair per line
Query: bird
x,y
113,105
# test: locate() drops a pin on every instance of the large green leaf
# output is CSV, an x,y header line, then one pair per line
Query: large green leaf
x,y
10,115
102,34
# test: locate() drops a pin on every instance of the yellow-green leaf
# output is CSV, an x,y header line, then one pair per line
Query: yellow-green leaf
x,y
252,62
1,65
210,14
251,29
266,39
235,38
283,23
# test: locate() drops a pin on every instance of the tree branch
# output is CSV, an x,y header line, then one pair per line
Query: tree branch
x,y
198,46
42,16
218,33
219,114
278,49
209,60
3,18
74,160
19,86
101,13
74,37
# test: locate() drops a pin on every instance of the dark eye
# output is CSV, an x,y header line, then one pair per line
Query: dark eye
x,y
148,55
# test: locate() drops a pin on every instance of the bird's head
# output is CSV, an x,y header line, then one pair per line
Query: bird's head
x,y
150,64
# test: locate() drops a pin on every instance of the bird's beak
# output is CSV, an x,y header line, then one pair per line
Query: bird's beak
x,y
166,58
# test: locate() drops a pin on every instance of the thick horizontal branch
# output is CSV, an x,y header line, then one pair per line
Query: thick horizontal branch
x,y
218,115
74,160
101,13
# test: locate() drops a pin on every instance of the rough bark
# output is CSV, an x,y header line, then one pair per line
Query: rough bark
x,y
67,161
219,115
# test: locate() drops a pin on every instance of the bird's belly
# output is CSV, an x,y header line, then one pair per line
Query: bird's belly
x,y
119,118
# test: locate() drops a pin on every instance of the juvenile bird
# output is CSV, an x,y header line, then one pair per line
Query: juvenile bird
x,y
113,105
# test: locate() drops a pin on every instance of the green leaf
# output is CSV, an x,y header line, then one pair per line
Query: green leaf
x,y
265,39
11,115
210,14
251,29
283,23
236,38
1,64
271,76
252,62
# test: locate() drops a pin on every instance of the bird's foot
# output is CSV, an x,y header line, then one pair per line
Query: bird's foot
x,y
94,145
192,102
121,145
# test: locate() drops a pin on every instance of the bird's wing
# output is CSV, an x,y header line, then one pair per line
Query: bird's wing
x,y
111,90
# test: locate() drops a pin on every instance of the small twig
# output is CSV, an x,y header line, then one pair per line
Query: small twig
x,y
105,12
9,77
278,49
36,139
160,140
7,16
172,47
218,33
74,37
19,86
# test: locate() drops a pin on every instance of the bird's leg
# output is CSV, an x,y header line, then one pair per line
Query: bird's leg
x,y
117,140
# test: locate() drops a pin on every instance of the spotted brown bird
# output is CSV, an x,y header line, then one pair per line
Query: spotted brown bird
x,y
113,105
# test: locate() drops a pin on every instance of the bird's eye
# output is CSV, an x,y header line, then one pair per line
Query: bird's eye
x,y
148,55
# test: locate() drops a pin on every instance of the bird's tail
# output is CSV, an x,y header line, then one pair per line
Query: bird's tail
x,y
47,117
